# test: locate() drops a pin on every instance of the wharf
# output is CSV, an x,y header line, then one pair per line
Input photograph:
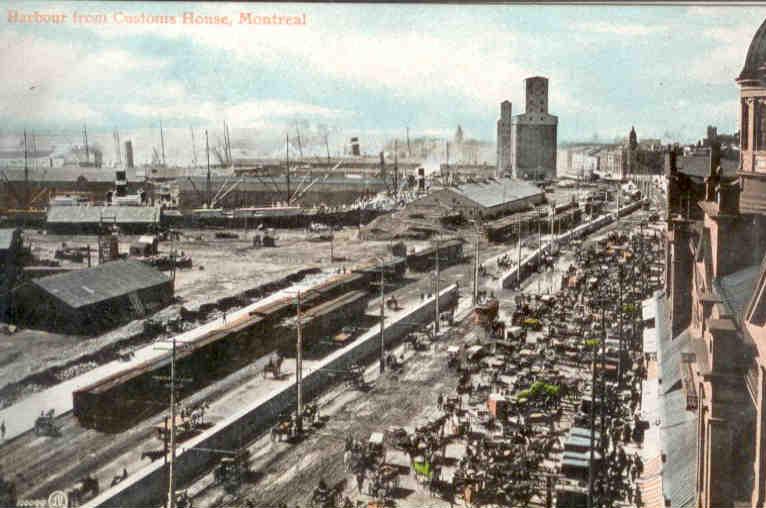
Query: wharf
x,y
20,417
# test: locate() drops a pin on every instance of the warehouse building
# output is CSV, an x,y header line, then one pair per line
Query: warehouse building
x,y
88,219
487,199
92,300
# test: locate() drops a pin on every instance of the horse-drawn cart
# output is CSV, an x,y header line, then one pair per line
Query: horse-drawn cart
x,y
273,367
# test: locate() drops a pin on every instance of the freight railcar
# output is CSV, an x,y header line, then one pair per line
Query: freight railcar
x,y
323,320
450,253
393,269
127,397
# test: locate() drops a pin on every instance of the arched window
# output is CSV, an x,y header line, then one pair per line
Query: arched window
x,y
744,122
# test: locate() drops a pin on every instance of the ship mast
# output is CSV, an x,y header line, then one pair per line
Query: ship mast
x,y
26,172
207,186
162,143
287,162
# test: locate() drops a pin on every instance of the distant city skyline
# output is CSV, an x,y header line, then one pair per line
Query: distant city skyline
x,y
372,70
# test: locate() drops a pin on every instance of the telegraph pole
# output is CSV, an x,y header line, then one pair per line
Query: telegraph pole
x,y
396,169
603,386
436,296
550,229
591,471
518,252
539,248
476,268
173,257
382,320
171,465
622,346
299,368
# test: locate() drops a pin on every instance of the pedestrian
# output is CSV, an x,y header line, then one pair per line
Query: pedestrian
x,y
440,401
347,460
2,430
359,481
224,317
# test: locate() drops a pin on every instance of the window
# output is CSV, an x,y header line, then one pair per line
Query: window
x,y
745,122
761,123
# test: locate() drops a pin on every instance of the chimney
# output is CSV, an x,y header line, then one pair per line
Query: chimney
x,y
728,198
715,157
670,162
711,183
129,154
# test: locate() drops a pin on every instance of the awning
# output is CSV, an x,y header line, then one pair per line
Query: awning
x,y
649,308
376,438
650,400
650,341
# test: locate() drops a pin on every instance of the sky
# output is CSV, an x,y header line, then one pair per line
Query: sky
x,y
370,70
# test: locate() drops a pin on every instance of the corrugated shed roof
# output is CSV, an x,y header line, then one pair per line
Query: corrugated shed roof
x,y
6,238
737,289
94,214
678,429
678,438
497,192
670,361
756,308
104,282
651,484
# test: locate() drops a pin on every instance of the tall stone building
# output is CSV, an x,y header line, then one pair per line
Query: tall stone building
x,y
533,134
504,139
752,82
713,368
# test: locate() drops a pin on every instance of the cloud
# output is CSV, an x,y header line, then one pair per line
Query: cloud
x,y
722,63
352,67
407,63
55,83
621,29
251,113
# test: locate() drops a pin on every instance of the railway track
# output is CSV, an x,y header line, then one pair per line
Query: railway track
x,y
39,465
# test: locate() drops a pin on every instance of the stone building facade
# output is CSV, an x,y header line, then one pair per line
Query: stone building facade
x,y
752,118
534,134
716,284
